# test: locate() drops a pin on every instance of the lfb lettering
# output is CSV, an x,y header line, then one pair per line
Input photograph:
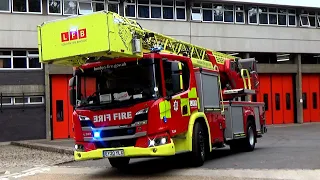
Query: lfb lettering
x,y
114,116
73,35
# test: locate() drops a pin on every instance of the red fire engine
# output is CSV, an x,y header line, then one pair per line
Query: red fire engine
x,y
137,93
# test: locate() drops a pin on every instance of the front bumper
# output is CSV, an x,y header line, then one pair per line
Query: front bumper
x,y
162,150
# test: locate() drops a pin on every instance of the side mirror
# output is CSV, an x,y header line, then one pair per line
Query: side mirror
x,y
72,92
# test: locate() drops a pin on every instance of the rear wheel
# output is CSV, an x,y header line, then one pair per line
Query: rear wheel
x,y
250,140
199,145
119,163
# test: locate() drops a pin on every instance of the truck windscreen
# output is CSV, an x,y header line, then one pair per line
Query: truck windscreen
x,y
119,84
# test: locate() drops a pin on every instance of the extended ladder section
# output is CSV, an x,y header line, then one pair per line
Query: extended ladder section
x,y
76,40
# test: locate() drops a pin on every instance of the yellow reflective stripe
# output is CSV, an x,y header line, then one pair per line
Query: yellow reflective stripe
x,y
165,109
193,93
181,82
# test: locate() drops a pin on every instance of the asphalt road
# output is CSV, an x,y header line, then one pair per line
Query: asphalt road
x,y
294,147
283,153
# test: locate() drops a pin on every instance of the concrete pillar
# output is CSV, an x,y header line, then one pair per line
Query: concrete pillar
x,y
48,101
298,79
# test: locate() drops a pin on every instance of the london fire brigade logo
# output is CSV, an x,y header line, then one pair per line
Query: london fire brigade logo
x,y
175,105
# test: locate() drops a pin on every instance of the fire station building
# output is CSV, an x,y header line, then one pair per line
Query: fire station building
x,y
284,38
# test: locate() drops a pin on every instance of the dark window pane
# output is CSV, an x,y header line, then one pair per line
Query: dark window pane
x,y
143,1
98,6
19,62
156,2
314,100
167,13
179,3
207,15
143,11
6,100
5,63
304,99
304,20
113,8
20,5
20,100
5,53
282,19
54,6
35,99
19,53
273,19
34,62
288,101
131,10
4,5
239,17
207,5
228,16
59,110
263,18
312,20
167,3
266,102
277,99
34,5
155,12
292,20
181,13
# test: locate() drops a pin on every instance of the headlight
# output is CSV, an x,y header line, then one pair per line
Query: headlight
x,y
83,118
143,111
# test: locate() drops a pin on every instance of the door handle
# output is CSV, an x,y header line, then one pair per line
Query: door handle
x,y
184,110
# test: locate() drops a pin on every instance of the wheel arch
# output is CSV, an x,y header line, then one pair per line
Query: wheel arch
x,y
201,118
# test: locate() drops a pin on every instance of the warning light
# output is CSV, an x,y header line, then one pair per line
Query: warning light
x,y
96,135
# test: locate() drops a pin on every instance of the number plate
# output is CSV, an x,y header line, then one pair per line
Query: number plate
x,y
113,153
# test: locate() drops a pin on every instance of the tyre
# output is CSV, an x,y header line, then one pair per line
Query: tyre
x,y
250,140
199,145
119,163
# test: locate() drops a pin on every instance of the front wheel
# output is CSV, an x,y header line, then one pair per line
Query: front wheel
x,y
119,163
199,145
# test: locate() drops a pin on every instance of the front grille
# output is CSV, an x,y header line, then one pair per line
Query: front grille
x,y
116,143
118,132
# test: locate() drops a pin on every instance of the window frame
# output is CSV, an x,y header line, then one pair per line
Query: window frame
x,y
27,8
108,2
306,13
135,9
243,13
61,8
28,56
6,104
13,100
10,5
77,8
180,7
291,14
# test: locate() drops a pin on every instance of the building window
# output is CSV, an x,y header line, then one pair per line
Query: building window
x,y
19,59
5,6
70,7
27,6
155,9
85,7
253,15
239,14
98,5
271,16
208,12
26,100
130,8
54,7
113,6
307,18
292,18
180,10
